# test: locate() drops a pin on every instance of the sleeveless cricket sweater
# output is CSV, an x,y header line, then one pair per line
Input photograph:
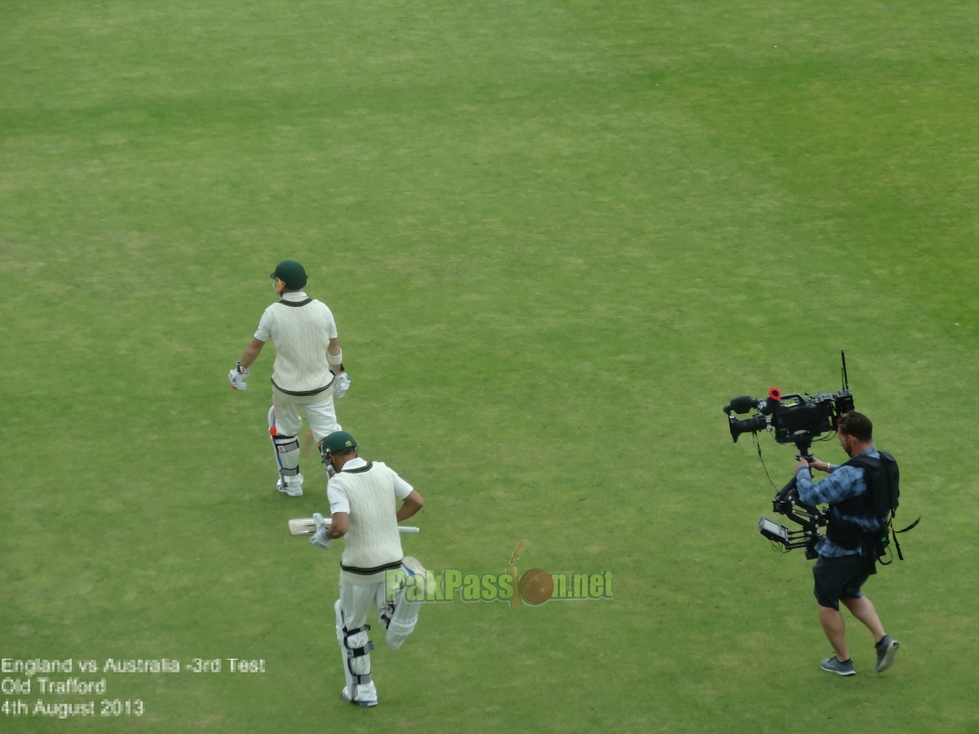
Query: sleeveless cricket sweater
x,y
372,542
300,365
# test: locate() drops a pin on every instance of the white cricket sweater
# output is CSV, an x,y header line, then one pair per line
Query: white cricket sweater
x,y
301,366
372,540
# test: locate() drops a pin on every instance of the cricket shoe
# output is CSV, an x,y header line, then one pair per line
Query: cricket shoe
x,y
886,650
833,665
288,489
346,697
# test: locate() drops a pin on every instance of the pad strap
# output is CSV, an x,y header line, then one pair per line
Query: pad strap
x,y
359,652
285,444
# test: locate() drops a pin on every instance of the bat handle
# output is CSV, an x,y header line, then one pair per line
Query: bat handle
x,y
408,529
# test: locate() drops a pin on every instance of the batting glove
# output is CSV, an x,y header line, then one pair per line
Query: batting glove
x,y
237,377
319,537
340,385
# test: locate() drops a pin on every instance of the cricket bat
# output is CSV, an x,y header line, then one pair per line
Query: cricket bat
x,y
306,526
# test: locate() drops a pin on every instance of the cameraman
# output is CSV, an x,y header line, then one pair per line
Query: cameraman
x,y
857,494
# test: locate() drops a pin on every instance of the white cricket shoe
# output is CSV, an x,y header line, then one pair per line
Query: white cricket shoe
x,y
291,490
346,697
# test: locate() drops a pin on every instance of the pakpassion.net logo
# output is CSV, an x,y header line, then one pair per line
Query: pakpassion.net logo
x,y
534,587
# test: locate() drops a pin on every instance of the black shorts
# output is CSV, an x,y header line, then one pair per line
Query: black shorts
x,y
840,577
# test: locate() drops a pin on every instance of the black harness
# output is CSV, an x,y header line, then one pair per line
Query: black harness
x,y
879,503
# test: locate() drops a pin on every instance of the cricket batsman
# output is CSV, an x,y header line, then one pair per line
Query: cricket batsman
x,y
364,509
308,371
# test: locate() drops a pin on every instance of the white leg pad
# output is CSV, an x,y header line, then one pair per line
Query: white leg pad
x,y
400,618
287,455
286,458
355,649
343,648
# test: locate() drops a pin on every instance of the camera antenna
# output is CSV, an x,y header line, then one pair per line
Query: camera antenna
x,y
846,382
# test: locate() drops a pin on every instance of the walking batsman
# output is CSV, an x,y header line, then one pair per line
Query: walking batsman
x,y
308,370
363,503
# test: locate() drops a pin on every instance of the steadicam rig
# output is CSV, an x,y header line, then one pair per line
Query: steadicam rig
x,y
792,419
809,518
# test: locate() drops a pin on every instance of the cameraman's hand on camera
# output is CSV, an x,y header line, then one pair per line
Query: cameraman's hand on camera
x,y
821,465
813,463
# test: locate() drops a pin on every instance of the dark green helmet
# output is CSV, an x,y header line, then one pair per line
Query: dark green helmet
x,y
291,273
338,442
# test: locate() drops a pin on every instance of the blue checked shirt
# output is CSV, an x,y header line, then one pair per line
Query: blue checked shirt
x,y
842,483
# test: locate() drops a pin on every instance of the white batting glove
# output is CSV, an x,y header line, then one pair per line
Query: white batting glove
x,y
319,538
237,377
340,385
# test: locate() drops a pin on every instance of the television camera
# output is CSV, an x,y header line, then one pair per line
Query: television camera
x,y
792,419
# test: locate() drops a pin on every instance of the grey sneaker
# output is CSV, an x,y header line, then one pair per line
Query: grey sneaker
x,y
886,651
833,665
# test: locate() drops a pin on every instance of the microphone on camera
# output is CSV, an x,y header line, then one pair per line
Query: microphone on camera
x,y
746,403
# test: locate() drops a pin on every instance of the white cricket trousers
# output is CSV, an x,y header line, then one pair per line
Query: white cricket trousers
x,y
319,410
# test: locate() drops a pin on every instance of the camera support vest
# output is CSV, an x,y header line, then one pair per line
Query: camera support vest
x,y
880,500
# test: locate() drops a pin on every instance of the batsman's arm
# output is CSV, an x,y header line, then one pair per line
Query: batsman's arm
x,y
410,506
339,525
335,356
251,352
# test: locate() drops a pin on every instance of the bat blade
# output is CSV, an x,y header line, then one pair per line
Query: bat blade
x,y
303,526
306,526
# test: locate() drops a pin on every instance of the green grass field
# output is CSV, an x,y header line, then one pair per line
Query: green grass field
x,y
558,236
